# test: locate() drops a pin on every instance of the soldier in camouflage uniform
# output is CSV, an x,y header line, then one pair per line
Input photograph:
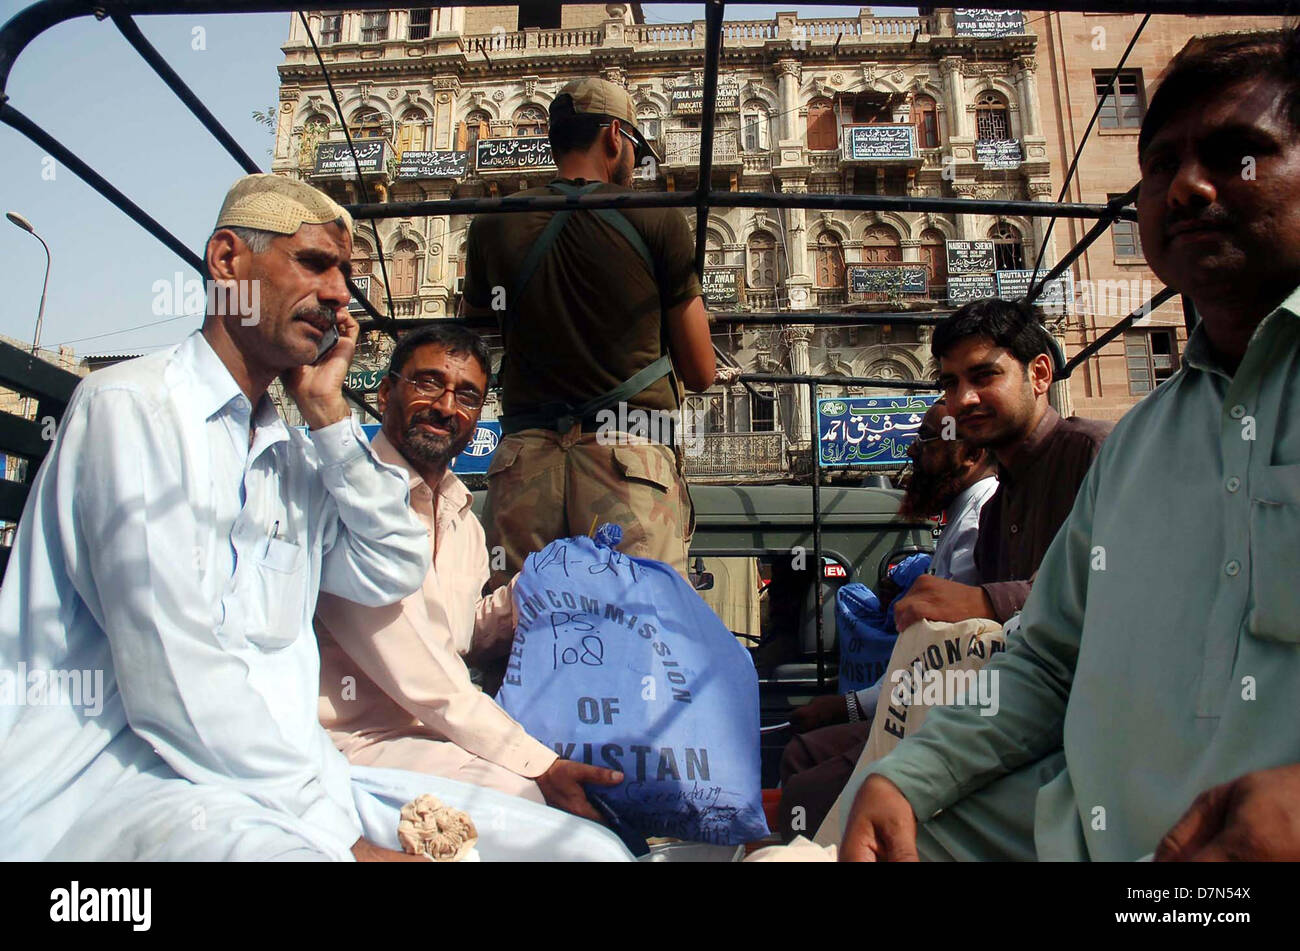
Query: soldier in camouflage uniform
x,y
602,322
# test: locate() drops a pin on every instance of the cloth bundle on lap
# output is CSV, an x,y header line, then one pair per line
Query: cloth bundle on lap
x,y
865,633
618,662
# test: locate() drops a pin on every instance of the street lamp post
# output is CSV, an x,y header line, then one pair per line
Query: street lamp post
x,y
26,225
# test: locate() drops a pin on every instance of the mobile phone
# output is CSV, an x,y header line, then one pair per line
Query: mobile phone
x,y
326,344
636,844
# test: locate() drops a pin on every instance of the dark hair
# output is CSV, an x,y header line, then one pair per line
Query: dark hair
x,y
1208,65
574,133
1015,325
452,337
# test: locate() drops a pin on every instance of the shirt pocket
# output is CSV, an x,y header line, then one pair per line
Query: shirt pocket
x,y
278,595
1274,554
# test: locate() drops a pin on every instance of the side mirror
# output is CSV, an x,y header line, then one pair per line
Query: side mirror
x,y
702,581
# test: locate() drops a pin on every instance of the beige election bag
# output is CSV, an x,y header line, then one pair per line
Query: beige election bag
x,y
933,664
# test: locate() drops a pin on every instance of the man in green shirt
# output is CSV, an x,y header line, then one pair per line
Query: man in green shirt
x,y
1147,704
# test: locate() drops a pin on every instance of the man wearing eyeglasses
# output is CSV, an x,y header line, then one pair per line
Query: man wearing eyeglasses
x,y
602,320
394,690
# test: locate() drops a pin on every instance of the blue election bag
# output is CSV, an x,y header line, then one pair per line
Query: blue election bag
x,y
865,633
903,574
865,644
617,662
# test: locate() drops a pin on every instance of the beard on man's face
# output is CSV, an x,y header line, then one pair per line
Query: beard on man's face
x,y
624,171
431,448
927,494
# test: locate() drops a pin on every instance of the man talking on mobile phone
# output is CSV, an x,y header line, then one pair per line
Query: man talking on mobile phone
x,y
174,544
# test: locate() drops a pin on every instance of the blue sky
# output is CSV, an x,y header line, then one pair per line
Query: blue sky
x,y
85,85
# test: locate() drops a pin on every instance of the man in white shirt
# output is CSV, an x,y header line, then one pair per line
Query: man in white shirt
x,y
173,544
947,478
169,558
394,690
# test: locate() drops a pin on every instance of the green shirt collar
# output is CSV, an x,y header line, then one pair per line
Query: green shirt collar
x,y
1199,354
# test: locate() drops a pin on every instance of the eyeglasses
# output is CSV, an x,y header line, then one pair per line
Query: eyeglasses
x,y
432,389
638,150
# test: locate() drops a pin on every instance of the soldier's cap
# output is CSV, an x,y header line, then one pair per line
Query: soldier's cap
x,y
279,204
599,97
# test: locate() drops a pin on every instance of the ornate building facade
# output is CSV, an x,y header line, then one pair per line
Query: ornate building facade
x,y
452,102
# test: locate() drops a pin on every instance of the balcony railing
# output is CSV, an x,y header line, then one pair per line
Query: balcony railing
x,y
683,148
735,457
750,30
830,296
815,31
757,162
828,161
663,34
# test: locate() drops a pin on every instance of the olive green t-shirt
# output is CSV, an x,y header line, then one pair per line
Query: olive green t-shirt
x,y
590,316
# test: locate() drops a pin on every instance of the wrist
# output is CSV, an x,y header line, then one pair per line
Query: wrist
x,y
318,414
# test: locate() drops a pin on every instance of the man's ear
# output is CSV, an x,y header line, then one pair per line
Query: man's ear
x,y
381,397
222,255
1040,373
612,140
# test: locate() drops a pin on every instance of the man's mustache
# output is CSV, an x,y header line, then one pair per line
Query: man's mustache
x,y
1213,216
436,419
321,316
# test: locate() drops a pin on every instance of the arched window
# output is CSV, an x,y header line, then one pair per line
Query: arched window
x,y
830,260
761,261
712,248
881,245
530,120
411,134
647,122
926,114
991,117
404,269
1008,247
754,122
368,123
822,134
314,131
474,127
361,257
934,255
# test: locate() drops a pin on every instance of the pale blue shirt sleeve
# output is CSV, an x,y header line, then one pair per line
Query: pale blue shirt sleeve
x,y
377,552
959,751
129,530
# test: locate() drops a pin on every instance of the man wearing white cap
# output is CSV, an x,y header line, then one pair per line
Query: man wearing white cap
x,y
168,562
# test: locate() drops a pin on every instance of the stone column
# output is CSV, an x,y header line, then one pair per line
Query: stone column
x,y
1042,191
1028,83
788,72
965,223
955,91
796,339
799,277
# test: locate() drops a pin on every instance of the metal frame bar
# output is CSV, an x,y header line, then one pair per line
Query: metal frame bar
x,y
34,20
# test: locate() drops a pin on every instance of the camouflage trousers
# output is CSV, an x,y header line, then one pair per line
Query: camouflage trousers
x,y
544,485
